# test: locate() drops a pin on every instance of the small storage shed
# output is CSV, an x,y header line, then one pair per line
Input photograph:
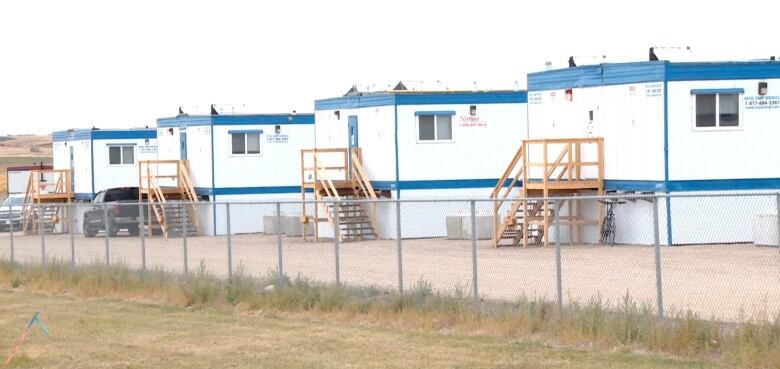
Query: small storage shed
x,y
18,177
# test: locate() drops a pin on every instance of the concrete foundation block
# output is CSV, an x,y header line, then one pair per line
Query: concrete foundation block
x,y
454,227
292,226
484,227
765,230
269,224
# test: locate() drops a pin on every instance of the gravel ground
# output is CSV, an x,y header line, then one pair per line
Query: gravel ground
x,y
717,281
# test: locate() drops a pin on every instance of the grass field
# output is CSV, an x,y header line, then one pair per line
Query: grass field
x,y
88,333
111,316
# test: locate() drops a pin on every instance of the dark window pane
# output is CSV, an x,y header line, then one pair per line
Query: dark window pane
x,y
238,143
115,155
729,110
705,110
128,155
444,127
426,128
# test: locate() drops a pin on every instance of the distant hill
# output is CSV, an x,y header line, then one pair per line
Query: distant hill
x,y
25,145
22,150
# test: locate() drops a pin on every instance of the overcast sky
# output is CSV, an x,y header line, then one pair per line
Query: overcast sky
x,y
70,64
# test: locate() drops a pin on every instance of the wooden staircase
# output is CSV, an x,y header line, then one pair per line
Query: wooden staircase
x,y
522,211
340,183
167,187
45,201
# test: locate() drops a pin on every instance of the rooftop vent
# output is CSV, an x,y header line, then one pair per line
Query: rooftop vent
x,y
352,91
400,87
652,56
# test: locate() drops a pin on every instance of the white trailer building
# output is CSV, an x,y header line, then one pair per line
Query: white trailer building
x,y
425,145
238,158
670,127
101,159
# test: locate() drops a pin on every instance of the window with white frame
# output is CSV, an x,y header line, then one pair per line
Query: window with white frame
x,y
121,155
245,143
434,127
717,110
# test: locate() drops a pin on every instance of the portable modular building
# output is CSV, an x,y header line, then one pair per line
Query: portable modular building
x,y
18,177
101,159
238,158
701,128
425,145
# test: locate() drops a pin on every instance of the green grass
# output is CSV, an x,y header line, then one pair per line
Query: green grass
x,y
626,328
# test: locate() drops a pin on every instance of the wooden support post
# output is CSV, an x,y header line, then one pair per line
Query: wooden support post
x,y
317,197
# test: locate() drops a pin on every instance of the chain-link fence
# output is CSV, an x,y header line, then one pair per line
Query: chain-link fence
x,y
713,254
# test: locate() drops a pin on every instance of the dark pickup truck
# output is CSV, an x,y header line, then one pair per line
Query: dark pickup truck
x,y
122,214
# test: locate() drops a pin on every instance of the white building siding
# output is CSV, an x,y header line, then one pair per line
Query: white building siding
x,y
749,151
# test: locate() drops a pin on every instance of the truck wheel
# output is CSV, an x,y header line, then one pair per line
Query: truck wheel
x,y
134,230
88,232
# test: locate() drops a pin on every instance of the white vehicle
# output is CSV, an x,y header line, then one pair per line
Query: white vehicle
x,y
11,212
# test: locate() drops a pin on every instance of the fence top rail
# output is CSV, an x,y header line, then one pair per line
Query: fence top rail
x,y
648,197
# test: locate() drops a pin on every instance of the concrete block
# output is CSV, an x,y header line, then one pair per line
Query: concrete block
x,y
269,224
292,226
454,227
765,230
484,227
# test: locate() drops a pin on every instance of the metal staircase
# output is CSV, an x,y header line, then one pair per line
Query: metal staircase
x,y
339,183
531,179
170,192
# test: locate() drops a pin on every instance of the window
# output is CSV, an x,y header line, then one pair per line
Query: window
x,y
245,143
434,127
715,110
121,155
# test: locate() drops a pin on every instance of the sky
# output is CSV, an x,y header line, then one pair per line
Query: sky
x,y
112,64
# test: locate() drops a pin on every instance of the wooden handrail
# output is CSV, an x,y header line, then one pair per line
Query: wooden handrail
x,y
365,183
508,171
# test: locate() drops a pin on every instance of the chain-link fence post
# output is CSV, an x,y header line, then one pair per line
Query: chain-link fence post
x,y
11,231
183,211
400,247
336,237
107,228
656,239
229,242
280,267
142,235
42,230
474,251
72,229
777,216
558,272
